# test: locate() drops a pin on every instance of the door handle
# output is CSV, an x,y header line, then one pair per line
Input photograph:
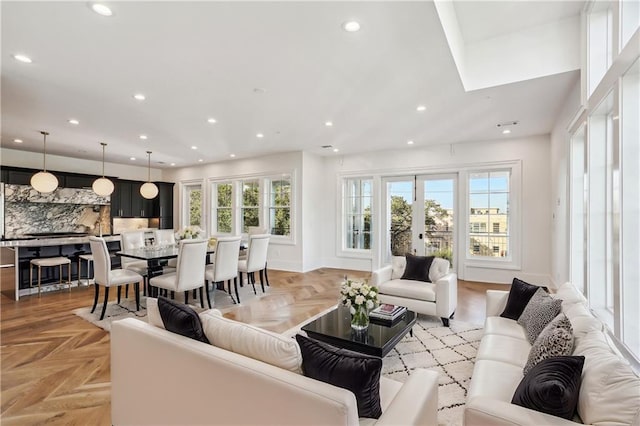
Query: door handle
x,y
420,236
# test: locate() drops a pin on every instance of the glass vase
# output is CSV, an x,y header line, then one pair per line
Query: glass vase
x,y
360,319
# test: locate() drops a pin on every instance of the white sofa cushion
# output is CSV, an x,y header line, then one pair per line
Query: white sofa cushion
x,y
505,349
569,294
610,390
495,380
409,289
581,319
253,342
504,327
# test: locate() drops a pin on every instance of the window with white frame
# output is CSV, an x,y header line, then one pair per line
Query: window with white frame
x,y
192,213
250,204
357,205
489,199
280,205
222,214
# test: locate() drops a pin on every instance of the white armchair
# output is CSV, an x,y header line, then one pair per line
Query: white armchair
x,y
438,297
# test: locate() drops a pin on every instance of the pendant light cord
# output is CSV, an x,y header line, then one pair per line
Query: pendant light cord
x,y
149,166
44,152
103,145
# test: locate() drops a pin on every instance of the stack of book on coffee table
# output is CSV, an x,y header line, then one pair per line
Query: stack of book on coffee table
x,y
386,313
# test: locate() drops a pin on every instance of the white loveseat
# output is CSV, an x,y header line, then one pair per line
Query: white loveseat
x,y
437,298
162,378
609,393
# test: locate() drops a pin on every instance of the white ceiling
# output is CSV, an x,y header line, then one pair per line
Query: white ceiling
x,y
195,60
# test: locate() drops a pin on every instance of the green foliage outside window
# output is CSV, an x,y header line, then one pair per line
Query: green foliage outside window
x,y
195,206
224,217
280,209
251,205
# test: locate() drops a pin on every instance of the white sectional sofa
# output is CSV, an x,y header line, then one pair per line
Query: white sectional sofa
x,y
609,393
437,298
162,378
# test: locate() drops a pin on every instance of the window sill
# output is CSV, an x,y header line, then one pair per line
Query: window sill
x,y
492,264
355,254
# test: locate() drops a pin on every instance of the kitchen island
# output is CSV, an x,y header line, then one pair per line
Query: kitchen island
x,y
24,250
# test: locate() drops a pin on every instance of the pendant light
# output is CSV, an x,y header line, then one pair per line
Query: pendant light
x,y
102,186
44,181
149,189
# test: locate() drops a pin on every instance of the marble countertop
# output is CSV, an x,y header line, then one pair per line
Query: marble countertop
x,y
39,242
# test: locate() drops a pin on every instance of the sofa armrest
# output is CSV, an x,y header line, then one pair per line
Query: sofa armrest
x,y
381,275
416,403
496,302
446,295
484,411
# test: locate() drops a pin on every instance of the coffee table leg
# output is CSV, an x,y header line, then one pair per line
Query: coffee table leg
x,y
411,332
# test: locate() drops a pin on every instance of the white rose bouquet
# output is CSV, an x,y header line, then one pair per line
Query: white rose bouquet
x,y
360,298
190,232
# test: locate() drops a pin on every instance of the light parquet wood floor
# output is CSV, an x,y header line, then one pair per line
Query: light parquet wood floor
x,y
55,367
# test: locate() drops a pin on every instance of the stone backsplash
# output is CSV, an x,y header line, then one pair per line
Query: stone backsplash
x,y
26,194
27,218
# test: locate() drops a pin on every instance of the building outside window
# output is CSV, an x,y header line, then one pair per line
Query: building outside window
x,y
489,204
280,205
357,213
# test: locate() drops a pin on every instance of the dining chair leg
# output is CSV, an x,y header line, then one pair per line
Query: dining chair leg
x,y
186,297
262,279
235,286
95,298
104,305
126,291
136,288
266,277
119,289
144,286
208,297
195,294
202,297
252,280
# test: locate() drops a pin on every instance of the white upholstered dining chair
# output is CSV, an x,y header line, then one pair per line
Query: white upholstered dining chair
x,y
189,273
225,265
256,260
104,276
131,240
166,237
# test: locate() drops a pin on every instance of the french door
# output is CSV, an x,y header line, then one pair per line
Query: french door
x,y
420,215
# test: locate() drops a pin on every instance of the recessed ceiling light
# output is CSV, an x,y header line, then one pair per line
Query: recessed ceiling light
x,y
143,137
17,140
212,120
259,135
22,58
74,121
335,150
328,123
173,164
101,9
506,131
421,108
194,147
259,90
200,160
232,155
351,26
132,158
139,97
409,142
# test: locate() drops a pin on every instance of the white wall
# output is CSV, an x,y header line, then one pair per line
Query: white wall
x,y
560,150
313,212
282,256
532,152
33,160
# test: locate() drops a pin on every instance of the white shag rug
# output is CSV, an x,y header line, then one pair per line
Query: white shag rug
x,y
451,351
127,307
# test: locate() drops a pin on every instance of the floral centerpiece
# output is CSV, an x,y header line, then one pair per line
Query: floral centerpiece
x,y
360,298
189,232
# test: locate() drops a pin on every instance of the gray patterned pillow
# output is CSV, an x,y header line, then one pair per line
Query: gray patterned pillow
x,y
555,340
539,312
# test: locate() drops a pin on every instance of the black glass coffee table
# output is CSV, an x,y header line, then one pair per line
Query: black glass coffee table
x,y
378,339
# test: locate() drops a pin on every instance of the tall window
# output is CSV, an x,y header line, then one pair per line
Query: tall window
x,y
223,217
489,213
280,205
357,214
193,205
250,209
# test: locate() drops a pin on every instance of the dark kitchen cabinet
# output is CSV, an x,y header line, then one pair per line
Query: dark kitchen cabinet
x,y
121,199
126,200
140,206
4,175
163,205
73,181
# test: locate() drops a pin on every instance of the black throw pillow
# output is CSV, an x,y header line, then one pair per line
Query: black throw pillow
x,y
552,386
417,268
346,369
519,295
181,319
